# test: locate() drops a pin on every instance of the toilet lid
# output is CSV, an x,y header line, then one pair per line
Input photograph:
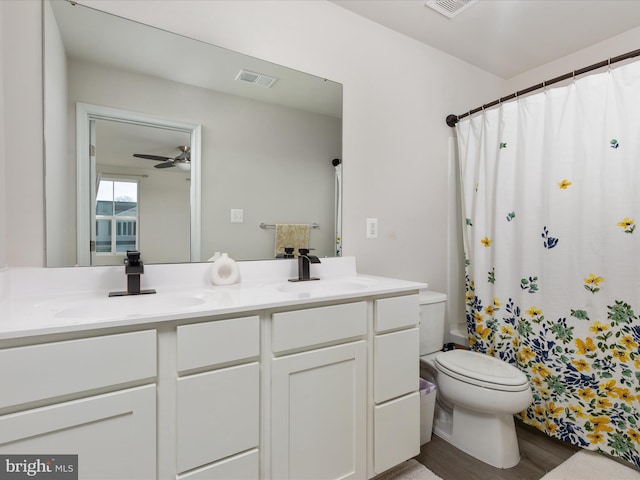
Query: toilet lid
x,y
482,370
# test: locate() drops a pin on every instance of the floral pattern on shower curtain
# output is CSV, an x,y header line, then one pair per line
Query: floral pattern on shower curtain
x,y
551,200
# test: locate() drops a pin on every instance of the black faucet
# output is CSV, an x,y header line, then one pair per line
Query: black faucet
x,y
304,261
133,268
288,253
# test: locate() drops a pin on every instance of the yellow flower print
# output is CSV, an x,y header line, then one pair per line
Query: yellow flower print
x,y
553,411
537,382
628,342
592,283
525,354
479,317
581,365
541,370
533,312
486,242
598,327
608,387
621,355
595,437
577,411
627,225
604,403
515,343
489,310
468,296
624,394
635,436
564,184
550,427
586,393
496,302
483,331
592,279
585,346
507,330
601,424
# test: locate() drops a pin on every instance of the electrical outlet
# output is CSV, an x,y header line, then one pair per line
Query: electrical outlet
x,y
237,215
372,228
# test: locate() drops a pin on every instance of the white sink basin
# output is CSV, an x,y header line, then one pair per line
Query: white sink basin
x,y
130,306
325,287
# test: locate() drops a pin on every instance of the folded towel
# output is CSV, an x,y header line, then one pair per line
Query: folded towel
x,y
294,235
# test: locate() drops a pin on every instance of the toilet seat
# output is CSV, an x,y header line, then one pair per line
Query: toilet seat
x,y
481,370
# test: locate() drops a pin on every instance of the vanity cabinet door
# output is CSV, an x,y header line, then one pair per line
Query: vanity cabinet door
x,y
218,415
319,416
114,435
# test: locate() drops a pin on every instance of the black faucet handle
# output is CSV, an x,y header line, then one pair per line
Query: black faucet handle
x,y
305,251
133,257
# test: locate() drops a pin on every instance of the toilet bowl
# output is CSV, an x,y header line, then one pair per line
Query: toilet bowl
x,y
479,395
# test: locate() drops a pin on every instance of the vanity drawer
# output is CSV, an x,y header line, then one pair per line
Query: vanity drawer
x,y
212,343
314,326
218,415
244,466
396,364
50,370
396,312
396,431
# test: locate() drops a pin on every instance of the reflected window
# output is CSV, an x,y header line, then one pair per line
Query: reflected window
x,y
116,216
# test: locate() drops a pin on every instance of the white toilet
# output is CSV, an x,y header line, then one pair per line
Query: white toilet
x,y
477,395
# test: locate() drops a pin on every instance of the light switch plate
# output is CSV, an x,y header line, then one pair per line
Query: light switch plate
x,y
372,228
237,215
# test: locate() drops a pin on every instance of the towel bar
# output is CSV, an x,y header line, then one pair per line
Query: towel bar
x,y
272,225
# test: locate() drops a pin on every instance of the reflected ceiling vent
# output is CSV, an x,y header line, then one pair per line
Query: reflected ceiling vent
x,y
450,8
256,78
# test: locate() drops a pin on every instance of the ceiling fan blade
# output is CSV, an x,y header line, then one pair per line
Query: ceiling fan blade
x,y
152,157
164,165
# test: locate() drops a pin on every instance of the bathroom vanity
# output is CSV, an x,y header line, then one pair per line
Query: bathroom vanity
x,y
263,379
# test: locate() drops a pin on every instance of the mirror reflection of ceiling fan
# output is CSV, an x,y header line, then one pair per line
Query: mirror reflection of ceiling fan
x,y
182,161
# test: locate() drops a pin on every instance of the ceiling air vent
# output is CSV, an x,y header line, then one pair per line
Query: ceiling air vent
x,y
256,78
450,8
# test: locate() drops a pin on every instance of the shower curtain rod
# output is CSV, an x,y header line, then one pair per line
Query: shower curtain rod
x,y
453,119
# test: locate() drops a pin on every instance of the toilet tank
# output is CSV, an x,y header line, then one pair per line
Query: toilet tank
x,y
432,321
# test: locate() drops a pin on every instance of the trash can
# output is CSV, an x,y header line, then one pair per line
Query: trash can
x,y
427,407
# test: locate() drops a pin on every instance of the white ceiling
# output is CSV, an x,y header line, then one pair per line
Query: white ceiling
x,y
506,37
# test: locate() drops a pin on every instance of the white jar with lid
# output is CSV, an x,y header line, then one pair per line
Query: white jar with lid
x,y
225,271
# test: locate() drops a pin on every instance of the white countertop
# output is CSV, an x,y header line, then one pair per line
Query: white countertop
x,y
38,301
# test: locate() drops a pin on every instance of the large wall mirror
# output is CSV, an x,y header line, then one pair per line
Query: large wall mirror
x,y
180,148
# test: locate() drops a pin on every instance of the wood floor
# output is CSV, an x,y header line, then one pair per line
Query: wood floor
x,y
538,455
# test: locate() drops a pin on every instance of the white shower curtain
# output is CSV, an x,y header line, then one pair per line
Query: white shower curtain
x,y
551,196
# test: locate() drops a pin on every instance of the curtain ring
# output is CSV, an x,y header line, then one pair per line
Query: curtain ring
x,y
609,65
544,86
574,76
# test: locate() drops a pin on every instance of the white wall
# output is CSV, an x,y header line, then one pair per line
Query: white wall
x,y
23,139
59,177
612,47
3,186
